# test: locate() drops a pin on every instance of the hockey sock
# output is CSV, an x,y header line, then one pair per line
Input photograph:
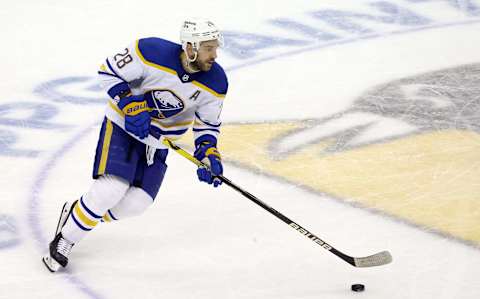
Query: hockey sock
x,y
104,193
134,203
109,217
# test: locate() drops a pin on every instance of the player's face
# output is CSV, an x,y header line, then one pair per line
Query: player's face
x,y
207,55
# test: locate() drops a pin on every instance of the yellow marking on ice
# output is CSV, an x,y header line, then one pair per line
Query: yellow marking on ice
x,y
432,180
157,66
204,87
105,147
103,68
83,217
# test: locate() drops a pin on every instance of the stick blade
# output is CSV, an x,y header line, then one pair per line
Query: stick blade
x,y
378,259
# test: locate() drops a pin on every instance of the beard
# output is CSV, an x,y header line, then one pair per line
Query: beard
x,y
204,66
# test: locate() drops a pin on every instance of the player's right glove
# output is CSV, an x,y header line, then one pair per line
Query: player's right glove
x,y
206,152
137,118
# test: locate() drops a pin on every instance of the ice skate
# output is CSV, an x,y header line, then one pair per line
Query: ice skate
x,y
59,248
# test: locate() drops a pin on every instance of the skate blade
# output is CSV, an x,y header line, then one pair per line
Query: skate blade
x,y
51,264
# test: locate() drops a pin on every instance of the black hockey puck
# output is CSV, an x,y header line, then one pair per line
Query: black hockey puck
x,y
358,287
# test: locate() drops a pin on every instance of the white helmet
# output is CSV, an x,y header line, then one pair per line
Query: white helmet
x,y
196,30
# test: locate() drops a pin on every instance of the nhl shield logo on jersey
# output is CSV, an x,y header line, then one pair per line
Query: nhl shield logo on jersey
x,y
164,103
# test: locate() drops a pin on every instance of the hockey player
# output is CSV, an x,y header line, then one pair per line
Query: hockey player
x,y
157,89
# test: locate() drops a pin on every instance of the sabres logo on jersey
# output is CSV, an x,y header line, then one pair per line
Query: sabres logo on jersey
x,y
164,103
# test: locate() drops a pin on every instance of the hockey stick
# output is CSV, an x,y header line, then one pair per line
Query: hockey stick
x,y
378,259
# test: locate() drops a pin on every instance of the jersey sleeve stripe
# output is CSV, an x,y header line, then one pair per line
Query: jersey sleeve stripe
x,y
209,129
206,123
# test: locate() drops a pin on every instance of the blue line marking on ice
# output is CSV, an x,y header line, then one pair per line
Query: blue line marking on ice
x,y
43,174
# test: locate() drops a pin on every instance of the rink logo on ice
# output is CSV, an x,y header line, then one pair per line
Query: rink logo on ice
x,y
328,26
443,100
408,148
165,103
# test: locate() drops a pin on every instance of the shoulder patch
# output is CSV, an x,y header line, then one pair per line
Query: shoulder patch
x,y
159,53
214,81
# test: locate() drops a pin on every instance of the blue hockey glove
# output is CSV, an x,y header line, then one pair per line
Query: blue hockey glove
x,y
207,153
137,118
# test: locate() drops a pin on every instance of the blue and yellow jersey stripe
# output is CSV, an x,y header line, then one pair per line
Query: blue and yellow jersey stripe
x,y
206,88
152,64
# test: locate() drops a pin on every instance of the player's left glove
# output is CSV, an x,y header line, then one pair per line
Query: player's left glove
x,y
137,118
206,151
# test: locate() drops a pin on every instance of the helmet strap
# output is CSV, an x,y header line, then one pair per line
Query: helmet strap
x,y
195,55
189,62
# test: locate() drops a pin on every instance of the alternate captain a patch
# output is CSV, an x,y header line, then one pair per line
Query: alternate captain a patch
x,y
164,103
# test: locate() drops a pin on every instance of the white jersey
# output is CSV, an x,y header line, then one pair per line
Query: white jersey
x,y
177,100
